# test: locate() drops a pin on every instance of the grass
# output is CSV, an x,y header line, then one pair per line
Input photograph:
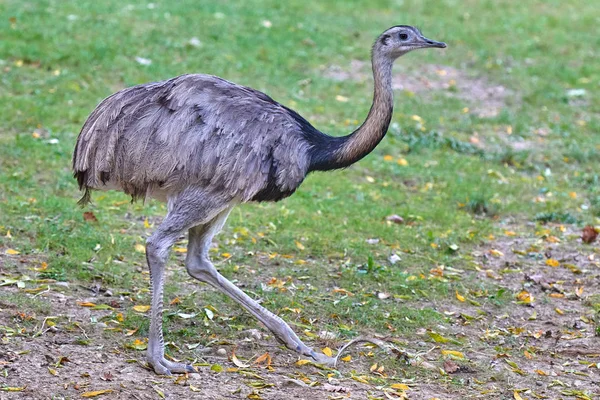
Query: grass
x,y
454,176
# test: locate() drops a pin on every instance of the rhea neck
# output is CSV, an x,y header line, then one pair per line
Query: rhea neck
x,y
339,152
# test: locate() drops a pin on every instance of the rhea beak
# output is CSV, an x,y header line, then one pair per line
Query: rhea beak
x,y
433,43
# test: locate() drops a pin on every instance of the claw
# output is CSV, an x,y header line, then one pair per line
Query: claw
x,y
323,359
165,367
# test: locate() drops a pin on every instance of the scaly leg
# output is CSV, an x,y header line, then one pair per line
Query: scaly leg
x,y
185,211
200,267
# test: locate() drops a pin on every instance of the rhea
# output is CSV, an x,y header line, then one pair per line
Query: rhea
x,y
203,145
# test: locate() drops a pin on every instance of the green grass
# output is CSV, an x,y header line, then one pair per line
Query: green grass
x,y
59,59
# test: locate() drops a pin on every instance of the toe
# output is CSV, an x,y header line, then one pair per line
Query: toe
x,y
323,359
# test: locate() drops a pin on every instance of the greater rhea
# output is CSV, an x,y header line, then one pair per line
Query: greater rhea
x,y
203,145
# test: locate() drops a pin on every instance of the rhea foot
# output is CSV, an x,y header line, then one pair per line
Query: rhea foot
x,y
165,367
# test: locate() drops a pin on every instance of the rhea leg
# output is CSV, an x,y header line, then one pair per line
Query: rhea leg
x,y
200,267
184,212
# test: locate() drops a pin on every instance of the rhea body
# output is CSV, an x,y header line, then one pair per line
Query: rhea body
x,y
203,145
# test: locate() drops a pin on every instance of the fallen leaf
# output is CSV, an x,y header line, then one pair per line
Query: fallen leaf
x,y
89,217
140,248
589,234
525,297
299,245
342,291
12,252
327,351
141,309
342,99
438,338
460,297
13,388
453,353
216,368
159,392
496,253
361,379
347,358
265,358
400,386
237,361
96,393
86,304
146,223
303,362
552,262
138,344
450,366
517,396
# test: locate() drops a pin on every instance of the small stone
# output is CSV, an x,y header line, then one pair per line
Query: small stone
x,y
326,335
396,219
222,352
394,258
101,325
253,334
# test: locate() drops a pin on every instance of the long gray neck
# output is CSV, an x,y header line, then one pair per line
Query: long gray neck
x,y
345,151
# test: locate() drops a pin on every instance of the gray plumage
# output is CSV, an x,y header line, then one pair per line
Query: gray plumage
x,y
193,130
203,145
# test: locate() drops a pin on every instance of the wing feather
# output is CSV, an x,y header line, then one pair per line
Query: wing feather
x,y
192,130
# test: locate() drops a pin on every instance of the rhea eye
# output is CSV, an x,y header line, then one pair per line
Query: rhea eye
x,y
403,36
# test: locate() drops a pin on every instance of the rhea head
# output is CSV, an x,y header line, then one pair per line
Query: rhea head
x,y
401,39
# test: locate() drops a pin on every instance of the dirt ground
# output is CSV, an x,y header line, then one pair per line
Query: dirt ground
x,y
542,345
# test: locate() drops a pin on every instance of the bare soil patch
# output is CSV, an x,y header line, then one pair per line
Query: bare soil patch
x,y
484,98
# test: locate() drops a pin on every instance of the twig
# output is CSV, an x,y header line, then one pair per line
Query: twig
x,y
361,339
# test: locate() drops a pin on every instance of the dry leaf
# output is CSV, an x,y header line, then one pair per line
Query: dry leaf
x,y
141,309
237,361
96,393
265,358
450,366
589,234
460,297
453,353
12,252
140,248
517,396
89,217
347,358
299,245
303,362
327,351
400,386
86,304
496,253
525,297
13,388
552,262
438,338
